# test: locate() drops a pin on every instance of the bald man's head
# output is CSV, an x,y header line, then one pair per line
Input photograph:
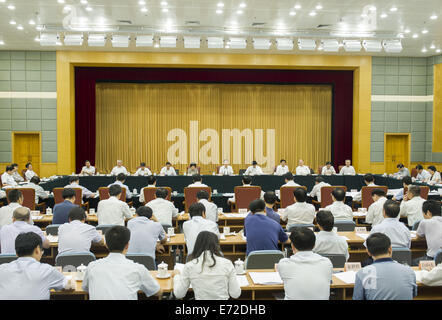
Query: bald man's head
x,y
21,214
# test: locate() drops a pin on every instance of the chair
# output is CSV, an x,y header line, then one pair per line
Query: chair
x,y
242,171
28,198
415,225
75,259
103,192
286,195
413,172
52,229
190,195
58,198
300,225
217,169
339,168
438,257
326,197
338,260
6,258
401,255
424,190
345,225
143,259
23,173
104,227
244,195
263,259
367,200
149,193
166,226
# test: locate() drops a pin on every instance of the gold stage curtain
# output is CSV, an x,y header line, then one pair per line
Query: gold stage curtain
x,y
133,122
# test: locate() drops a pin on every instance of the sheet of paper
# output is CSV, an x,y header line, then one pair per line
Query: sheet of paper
x,y
363,235
347,277
392,192
52,238
265,278
242,280
228,194
37,217
235,215
413,234
359,214
345,238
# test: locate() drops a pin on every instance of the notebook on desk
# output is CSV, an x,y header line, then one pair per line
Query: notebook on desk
x,y
265,278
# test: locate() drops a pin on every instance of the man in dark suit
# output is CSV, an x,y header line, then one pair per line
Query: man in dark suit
x,y
61,210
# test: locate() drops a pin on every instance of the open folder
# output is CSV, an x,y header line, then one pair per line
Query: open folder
x,y
265,278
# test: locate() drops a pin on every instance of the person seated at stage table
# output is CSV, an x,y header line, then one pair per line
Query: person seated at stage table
x,y
151,183
375,213
113,210
197,181
77,236
403,171
225,169
411,205
28,279
347,169
435,175
301,169
327,241
8,177
168,170
15,199
163,209
253,170
316,191
246,182
211,276
384,279
270,199
306,275
338,208
121,178
282,169
369,181
87,169
29,173
262,232
328,169
17,177
61,210
74,182
406,182
119,168
288,178
143,170
422,174
211,209
300,212
39,191
192,170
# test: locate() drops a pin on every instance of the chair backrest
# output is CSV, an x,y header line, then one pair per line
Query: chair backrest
x,y
424,191
28,196
58,198
246,194
75,259
103,192
143,259
302,225
338,260
190,195
23,173
6,258
413,172
242,171
104,227
286,195
326,196
217,169
52,229
149,193
401,255
367,200
345,225
340,167
263,259
438,257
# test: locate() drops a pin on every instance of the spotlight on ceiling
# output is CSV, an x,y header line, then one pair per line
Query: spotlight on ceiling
x,y
372,45
168,42
144,41
284,44
392,46
352,45
192,42
261,44
306,44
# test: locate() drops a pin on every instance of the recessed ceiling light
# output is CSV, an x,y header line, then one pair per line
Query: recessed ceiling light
x,y
220,4
11,7
424,49
31,22
292,13
20,27
143,9
219,11
363,15
156,45
239,12
141,2
372,8
424,31
83,1
163,3
433,17
407,30
2,42
88,8
393,9
415,35
438,50
432,46
297,6
12,22
165,10
384,15
318,7
312,14
67,8
60,1
242,5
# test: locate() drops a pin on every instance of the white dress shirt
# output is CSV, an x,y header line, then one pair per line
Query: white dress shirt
x,y
144,234
340,210
128,193
89,171
143,172
76,236
226,171
142,192
17,177
85,192
328,172
435,178
9,232
375,213
197,184
328,242
433,277
290,183
8,179
431,229
403,172
163,210
424,176
118,278
347,171
6,213
167,172
113,211
193,227
39,191
302,170
398,233
299,213
117,170
316,191
211,210
412,209
28,279
29,174
306,276
280,170
253,171
208,283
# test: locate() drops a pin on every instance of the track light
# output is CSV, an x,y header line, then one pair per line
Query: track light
x,y
215,42
372,45
144,41
192,42
306,44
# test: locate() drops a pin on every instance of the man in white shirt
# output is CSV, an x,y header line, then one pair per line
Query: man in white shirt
x,y
369,181
288,178
211,209
431,229
375,213
306,275
301,169
163,209
327,241
29,173
422,174
28,279
282,169
143,170
196,224
168,170
328,169
347,170
39,191
338,208
253,170
15,198
316,191
112,210
17,177
411,205
87,169
151,183
197,181
300,212
119,169
433,277
225,169
74,182
116,277
403,171
121,178
8,177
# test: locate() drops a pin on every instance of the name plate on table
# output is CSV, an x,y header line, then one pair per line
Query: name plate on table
x,y
352,266
426,265
360,229
242,211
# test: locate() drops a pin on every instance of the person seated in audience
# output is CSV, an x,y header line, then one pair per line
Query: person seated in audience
x,y
29,173
163,209
288,178
196,224
143,170
192,170
119,168
384,279
270,199
262,232
430,228
74,182
411,205
253,170
306,274
338,208
77,236
369,182
197,181
116,277
168,170
8,177
15,199
61,210
328,169
348,169
301,169
300,212
17,177
21,223
39,191
28,279
406,182
422,174
433,277
225,169
87,169
246,182
202,196
121,178
151,183
282,169
145,230
403,171
316,191
375,210
113,210
435,176
211,276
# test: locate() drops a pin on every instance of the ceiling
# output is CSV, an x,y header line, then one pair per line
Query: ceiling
x,y
337,19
